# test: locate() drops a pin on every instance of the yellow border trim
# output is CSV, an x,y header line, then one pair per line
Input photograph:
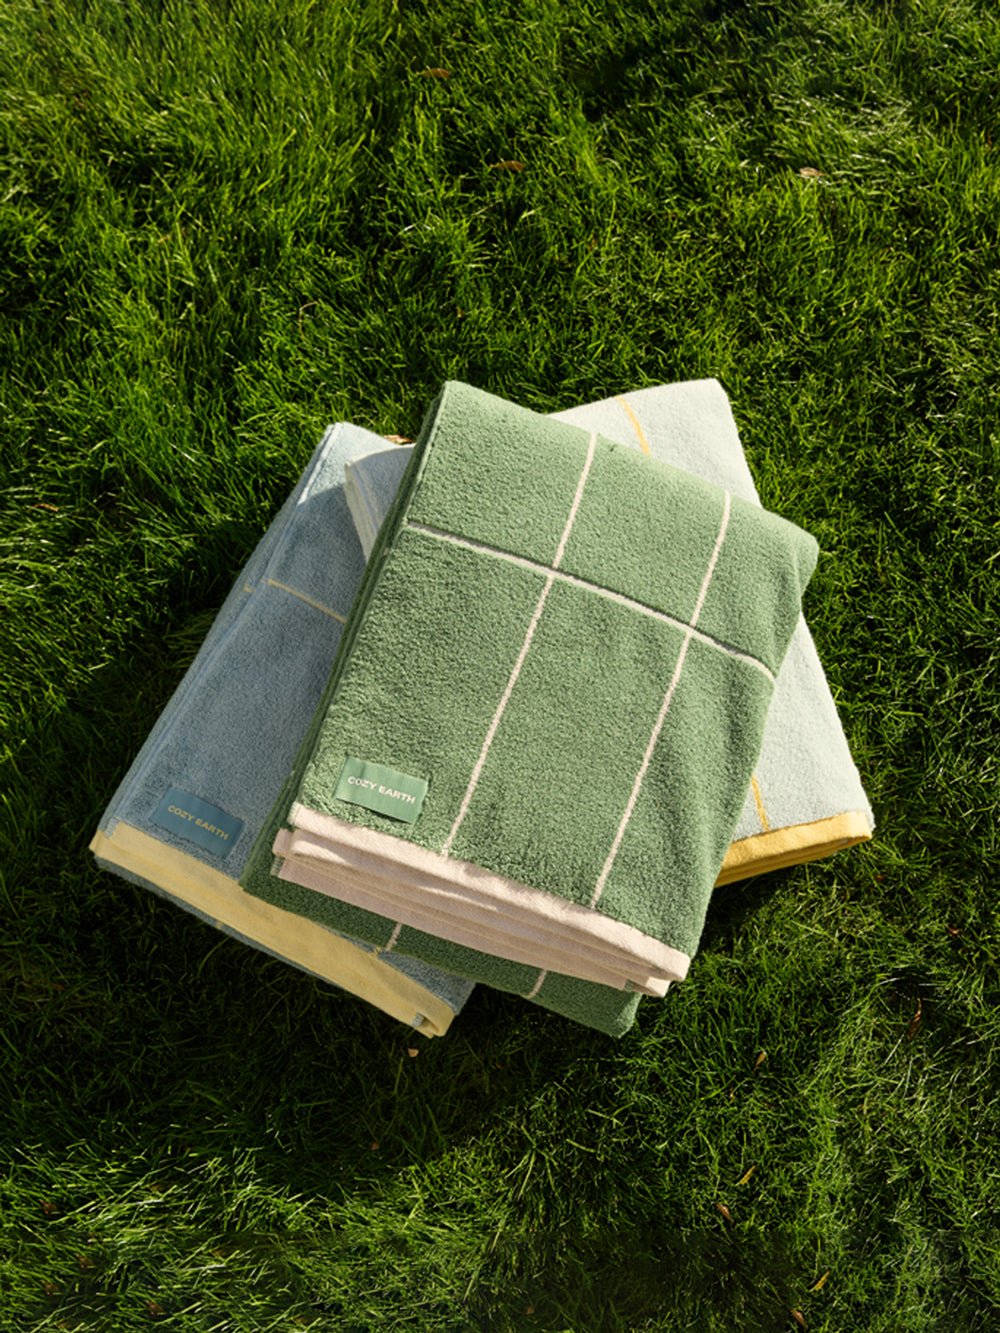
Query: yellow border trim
x,y
793,845
294,938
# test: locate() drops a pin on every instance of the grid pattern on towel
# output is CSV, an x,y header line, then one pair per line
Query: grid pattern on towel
x,y
429,654
567,708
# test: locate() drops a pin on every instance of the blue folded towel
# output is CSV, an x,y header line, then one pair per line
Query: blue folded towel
x,y
187,813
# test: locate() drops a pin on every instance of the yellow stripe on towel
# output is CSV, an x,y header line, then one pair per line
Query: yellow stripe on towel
x,y
758,801
309,601
793,845
294,938
636,424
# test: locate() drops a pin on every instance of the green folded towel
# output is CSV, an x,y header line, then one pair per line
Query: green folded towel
x,y
806,799
544,714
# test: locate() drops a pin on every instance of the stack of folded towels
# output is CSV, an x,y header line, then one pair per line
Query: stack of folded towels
x,y
570,691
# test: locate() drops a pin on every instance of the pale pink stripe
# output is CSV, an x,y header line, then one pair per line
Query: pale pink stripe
x,y
658,727
561,549
537,986
713,562
533,625
573,581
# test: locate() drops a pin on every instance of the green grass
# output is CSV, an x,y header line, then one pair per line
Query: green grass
x,y
223,225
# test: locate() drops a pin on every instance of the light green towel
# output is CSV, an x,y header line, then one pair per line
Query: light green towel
x,y
545,711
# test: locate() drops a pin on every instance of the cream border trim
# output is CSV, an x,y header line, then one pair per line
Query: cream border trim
x,y
406,867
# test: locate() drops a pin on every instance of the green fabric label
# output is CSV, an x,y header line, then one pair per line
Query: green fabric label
x,y
384,790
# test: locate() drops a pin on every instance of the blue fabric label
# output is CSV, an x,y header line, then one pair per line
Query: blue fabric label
x,y
199,822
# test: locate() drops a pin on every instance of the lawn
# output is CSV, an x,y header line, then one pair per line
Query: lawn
x,y
223,225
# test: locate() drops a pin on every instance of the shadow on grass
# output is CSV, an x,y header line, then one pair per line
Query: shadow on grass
x,y
128,1012
154,1054
625,1277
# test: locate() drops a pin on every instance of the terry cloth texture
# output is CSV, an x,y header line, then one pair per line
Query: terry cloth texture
x,y
805,799
189,809
587,642
370,485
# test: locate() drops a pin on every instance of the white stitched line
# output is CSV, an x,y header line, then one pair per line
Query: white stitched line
x,y
608,593
501,707
533,625
392,938
537,986
658,727
713,562
561,548
309,601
